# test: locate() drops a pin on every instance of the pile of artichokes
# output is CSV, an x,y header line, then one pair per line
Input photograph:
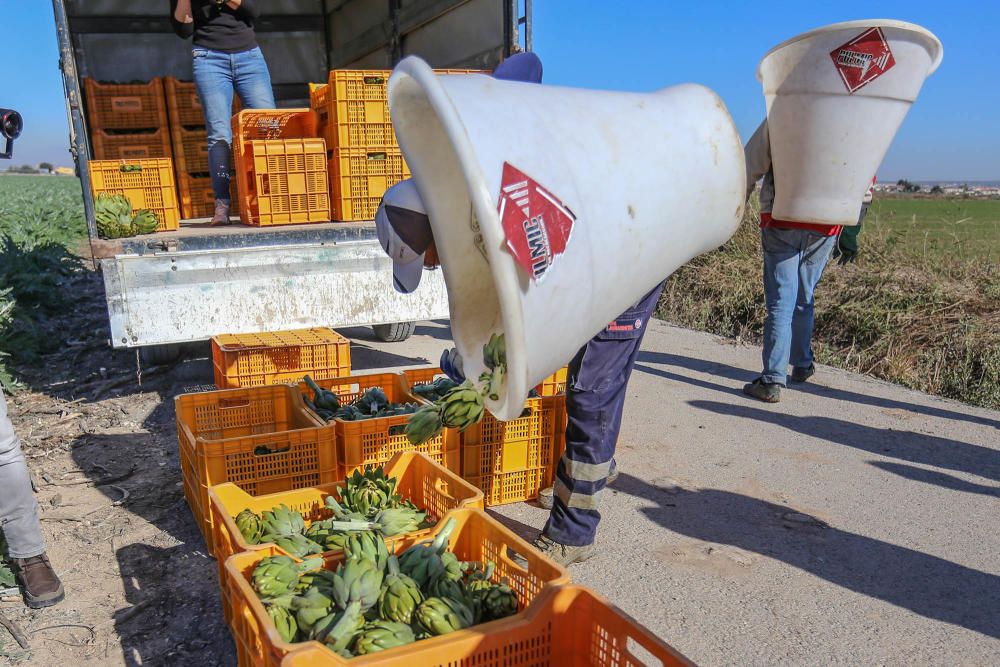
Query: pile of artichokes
x,y
370,404
375,601
368,511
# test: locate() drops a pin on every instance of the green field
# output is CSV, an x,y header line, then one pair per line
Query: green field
x,y
41,226
961,228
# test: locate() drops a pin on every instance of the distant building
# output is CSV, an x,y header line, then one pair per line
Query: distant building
x,y
64,171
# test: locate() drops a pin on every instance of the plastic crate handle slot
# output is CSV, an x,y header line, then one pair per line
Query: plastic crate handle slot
x,y
264,450
380,156
233,403
398,429
127,168
374,80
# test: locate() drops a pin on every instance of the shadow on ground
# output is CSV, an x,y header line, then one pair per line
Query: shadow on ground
x,y
904,445
171,622
739,375
932,587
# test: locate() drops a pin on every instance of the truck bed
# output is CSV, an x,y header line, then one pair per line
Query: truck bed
x,y
198,235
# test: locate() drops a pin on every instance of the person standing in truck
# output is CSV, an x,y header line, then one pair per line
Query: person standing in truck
x,y
795,255
598,374
225,58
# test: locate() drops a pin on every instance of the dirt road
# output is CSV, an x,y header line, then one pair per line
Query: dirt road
x,y
855,522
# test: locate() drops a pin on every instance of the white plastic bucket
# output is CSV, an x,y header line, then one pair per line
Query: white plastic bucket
x,y
835,98
641,183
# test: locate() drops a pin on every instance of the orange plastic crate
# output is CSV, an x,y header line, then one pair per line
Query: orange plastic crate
x,y
198,198
353,108
476,537
151,187
190,148
289,182
554,384
134,106
254,124
359,177
256,359
567,626
511,461
183,104
375,441
261,438
131,145
424,482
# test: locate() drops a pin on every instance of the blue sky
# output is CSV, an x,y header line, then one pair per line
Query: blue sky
x,y
951,133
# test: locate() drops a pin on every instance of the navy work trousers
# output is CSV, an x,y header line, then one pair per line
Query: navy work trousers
x,y
595,396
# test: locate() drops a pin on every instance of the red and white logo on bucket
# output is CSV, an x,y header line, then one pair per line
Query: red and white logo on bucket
x,y
536,223
863,59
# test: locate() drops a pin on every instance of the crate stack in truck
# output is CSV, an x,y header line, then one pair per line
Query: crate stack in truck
x,y
189,142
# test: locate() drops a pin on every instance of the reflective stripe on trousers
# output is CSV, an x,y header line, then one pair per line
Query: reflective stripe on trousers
x,y
595,396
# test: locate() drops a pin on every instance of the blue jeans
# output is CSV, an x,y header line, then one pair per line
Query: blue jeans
x,y
595,396
794,260
216,74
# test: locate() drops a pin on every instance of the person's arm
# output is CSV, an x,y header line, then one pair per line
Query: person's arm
x,y
246,7
758,156
182,18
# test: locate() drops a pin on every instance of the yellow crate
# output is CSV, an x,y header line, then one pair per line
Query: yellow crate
x,y
147,183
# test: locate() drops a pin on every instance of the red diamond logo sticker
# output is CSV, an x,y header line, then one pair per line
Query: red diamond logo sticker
x,y
535,222
863,59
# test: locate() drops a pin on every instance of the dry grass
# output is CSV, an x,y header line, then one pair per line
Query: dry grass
x,y
930,322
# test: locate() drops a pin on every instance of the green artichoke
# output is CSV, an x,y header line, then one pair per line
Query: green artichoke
x,y
338,629
422,562
357,580
381,635
250,526
281,520
278,575
400,595
284,622
439,616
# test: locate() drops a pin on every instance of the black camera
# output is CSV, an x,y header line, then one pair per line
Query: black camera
x,y
11,125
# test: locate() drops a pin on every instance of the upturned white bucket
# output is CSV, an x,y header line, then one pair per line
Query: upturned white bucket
x,y
835,98
641,183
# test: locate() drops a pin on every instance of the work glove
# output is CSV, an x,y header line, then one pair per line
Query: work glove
x,y
847,245
451,365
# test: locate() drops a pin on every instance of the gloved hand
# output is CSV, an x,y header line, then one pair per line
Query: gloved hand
x,y
451,365
847,245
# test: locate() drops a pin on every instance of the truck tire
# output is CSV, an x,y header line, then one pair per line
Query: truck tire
x,y
159,355
395,332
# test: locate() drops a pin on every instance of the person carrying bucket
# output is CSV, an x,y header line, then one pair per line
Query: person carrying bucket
x,y
795,254
598,374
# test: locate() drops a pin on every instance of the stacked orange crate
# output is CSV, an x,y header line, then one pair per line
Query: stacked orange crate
x,y
190,148
268,124
129,126
365,159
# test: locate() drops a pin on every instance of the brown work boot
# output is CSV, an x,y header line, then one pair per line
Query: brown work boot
x,y
221,216
563,554
42,587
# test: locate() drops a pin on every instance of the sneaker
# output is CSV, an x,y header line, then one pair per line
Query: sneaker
x,y
563,554
803,374
546,496
769,392
221,216
42,587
